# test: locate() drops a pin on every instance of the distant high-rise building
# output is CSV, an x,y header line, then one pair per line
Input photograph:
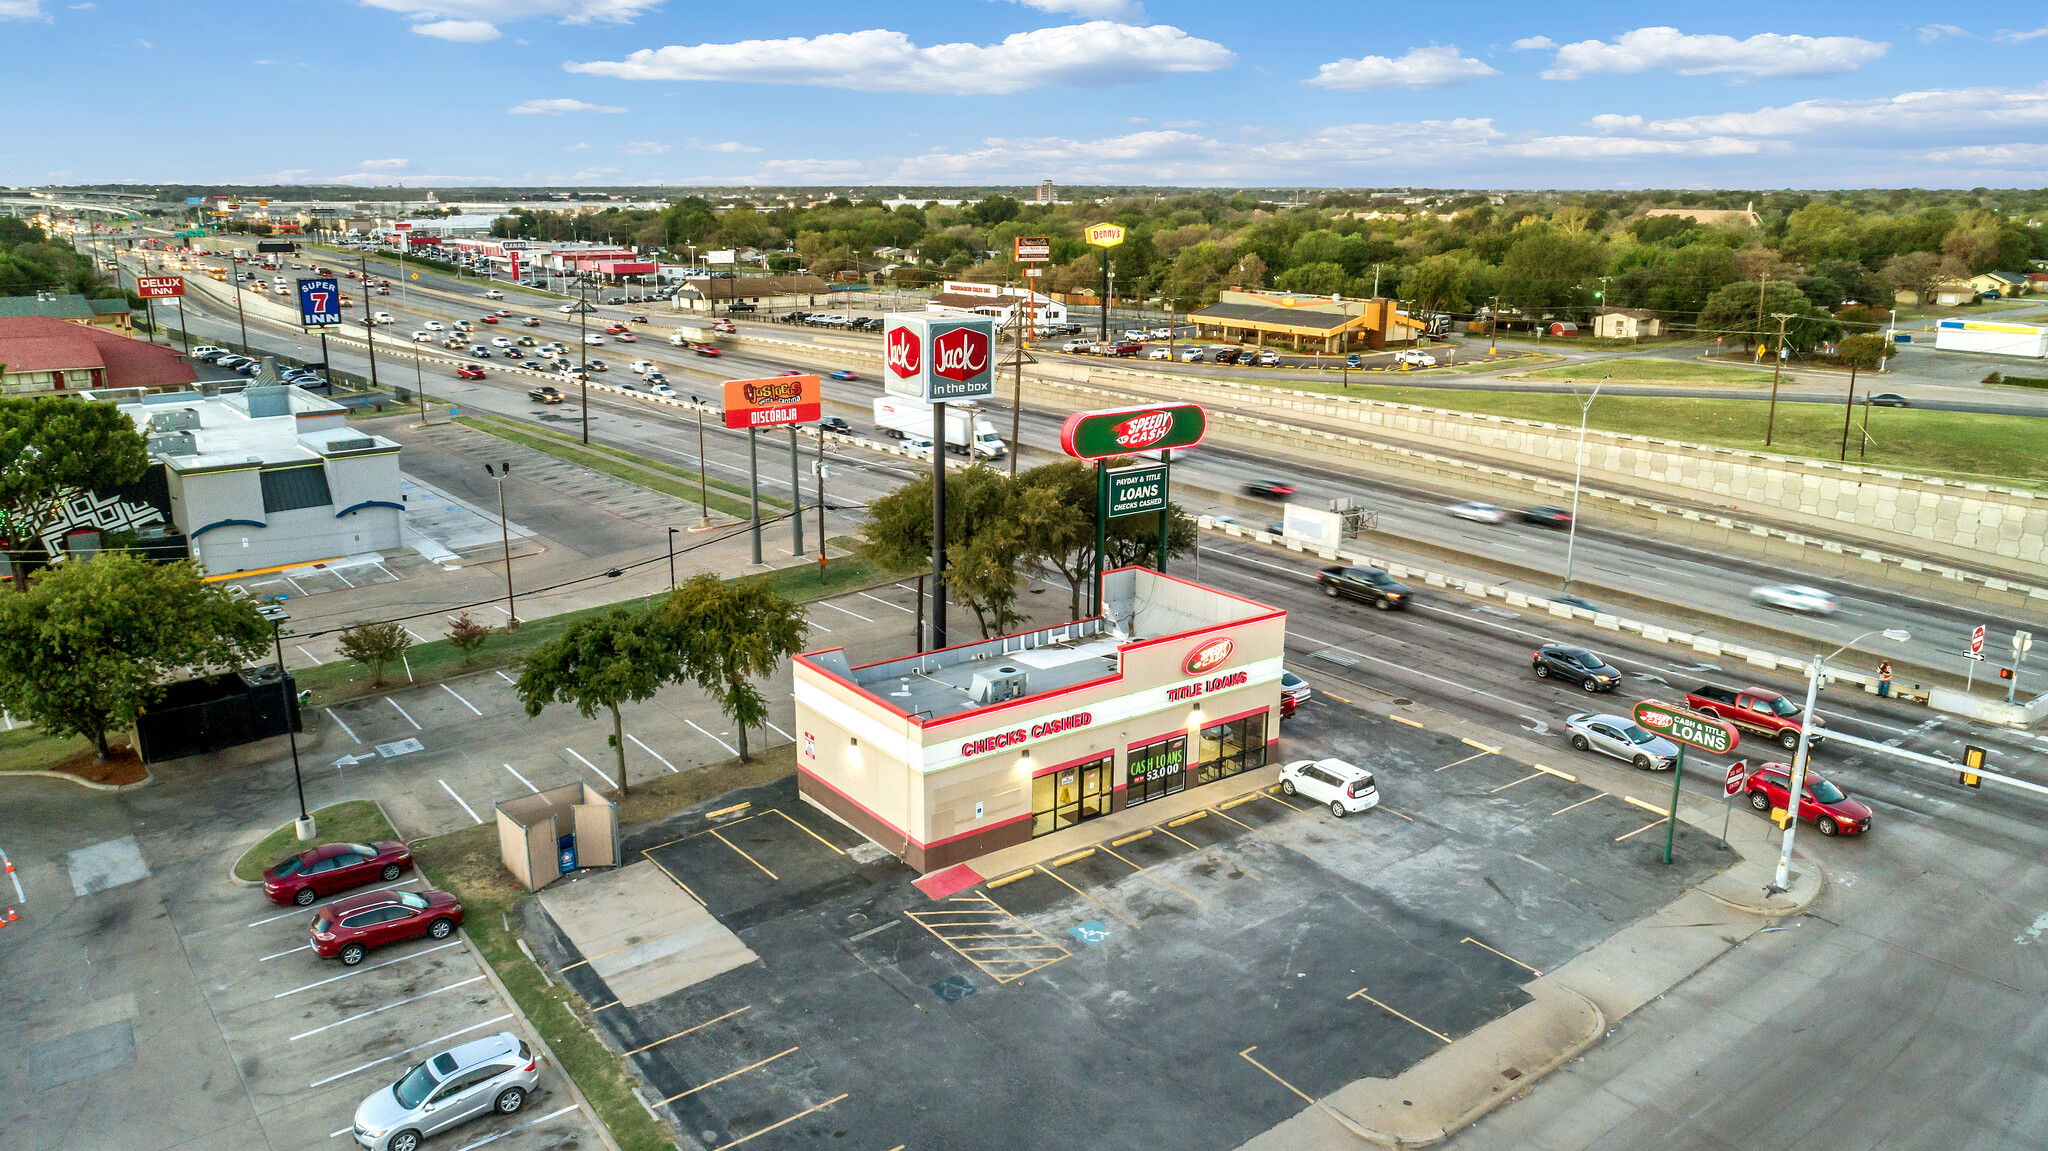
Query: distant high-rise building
x,y
1047,194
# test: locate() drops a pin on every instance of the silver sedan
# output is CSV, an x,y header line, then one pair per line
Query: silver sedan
x,y
1478,512
1621,738
1795,597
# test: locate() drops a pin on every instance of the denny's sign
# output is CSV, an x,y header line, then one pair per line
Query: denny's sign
x,y
772,402
1112,432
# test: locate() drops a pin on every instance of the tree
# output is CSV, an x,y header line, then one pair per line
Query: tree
x,y
468,635
984,541
726,636
52,449
1056,511
1733,313
1915,272
1134,540
1546,271
375,644
619,657
90,643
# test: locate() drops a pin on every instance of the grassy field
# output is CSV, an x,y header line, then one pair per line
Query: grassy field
x,y
1649,368
357,821
467,863
438,659
28,749
682,483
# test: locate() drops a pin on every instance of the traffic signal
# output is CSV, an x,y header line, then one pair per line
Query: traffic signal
x,y
1973,763
2005,673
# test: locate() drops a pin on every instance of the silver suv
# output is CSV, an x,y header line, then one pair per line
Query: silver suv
x,y
482,1077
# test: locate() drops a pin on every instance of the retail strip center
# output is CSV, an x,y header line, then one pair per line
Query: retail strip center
x,y
952,754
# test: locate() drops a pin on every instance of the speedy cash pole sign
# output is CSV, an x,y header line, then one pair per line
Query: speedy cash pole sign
x,y
1100,435
772,402
939,359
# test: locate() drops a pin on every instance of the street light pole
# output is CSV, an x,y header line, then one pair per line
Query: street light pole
x,y
583,347
503,472
1578,472
671,559
277,618
1800,754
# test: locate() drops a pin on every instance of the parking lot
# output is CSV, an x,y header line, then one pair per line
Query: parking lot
x,y
1210,973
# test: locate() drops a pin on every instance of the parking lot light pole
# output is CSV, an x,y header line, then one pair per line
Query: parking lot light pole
x,y
501,473
671,559
1804,749
1578,472
277,618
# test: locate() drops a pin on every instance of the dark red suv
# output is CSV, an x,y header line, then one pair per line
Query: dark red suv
x,y
334,867
1824,805
348,928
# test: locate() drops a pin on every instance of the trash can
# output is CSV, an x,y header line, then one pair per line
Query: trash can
x,y
565,847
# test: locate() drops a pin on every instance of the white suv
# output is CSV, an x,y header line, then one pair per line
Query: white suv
x,y
1418,358
1346,789
494,294
484,1077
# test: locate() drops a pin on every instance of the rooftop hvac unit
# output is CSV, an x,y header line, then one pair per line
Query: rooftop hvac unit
x,y
173,444
998,685
181,420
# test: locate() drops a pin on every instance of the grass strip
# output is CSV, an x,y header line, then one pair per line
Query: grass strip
x,y
467,864
682,483
1653,369
31,749
438,659
355,821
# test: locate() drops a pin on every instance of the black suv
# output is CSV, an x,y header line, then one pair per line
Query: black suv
x,y
1575,665
1369,584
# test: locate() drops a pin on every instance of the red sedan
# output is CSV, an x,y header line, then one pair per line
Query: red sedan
x,y
334,867
1824,805
349,928
706,350
490,319
614,329
469,372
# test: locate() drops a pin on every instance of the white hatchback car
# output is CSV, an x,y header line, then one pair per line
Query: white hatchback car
x,y
1478,512
1795,597
1346,789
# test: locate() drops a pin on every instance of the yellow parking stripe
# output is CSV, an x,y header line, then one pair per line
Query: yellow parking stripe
x,y
1524,779
1246,1055
1647,806
748,858
688,1030
1135,925
1404,719
791,1119
1480,746
808,831
1360,994
1502,954
1640,830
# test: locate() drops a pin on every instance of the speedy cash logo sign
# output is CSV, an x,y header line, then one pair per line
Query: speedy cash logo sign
x,y
1209,656
903,352
1656,719
960,354
1143,430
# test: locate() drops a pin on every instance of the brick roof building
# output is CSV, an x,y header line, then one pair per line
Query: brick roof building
x,y
40,355
111,313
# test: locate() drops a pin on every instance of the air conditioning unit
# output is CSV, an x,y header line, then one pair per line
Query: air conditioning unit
x,y
173,444
998,685
181,420
359,444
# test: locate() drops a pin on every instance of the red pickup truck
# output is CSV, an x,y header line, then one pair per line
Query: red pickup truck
x,y
1755,709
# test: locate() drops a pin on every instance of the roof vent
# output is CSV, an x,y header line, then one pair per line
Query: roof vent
x,y
1005,683
173,444
181,420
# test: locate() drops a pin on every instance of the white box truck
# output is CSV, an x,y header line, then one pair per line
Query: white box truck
x,y
968,432
687,335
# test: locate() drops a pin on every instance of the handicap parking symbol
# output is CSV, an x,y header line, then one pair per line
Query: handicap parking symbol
x,y
1090,933
954,988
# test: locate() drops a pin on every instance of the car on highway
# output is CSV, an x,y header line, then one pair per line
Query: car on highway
x,y
533,365
469,372
489,319
1294,687
423,337
1575,665
490,1076
643,366
1546,517
500,342
726,326
1269,489
1622,738
614,329
531,321
708,350
597,365
1347,790
1890,400
637,320
625,338
333,867
660,389
493,294
383,318
567,309
835,424
1478,512
655,378
1363,583
593,338
455,342
1827,807
1413,357
1755,709
479,352
1577,601
464,326
845,374
1794,597
435,326
527,342
348,929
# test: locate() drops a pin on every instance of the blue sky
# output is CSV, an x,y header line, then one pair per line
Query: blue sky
x,y
1273,93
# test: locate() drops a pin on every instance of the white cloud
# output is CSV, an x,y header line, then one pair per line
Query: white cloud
x,y
596,173
1944,110
729,147
1184,124
288,176
2004,157
559,108
576,148
262,63
644,148
1421,68
2007,36
1625,147
383,165
1094,54
59,174
22,10
460,31
1533,44
1092,9
1768,56
810,171
500,11
1934,32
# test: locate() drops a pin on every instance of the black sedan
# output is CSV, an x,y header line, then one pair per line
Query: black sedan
x,y
1269,489
1575,665
835,424
1890,400
1369,584
1547,517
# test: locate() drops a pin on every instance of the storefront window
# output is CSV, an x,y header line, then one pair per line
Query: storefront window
x,y
1065,797
1157,769
1229,748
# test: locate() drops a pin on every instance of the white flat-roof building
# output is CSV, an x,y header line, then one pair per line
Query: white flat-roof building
x,y
964,297
269,476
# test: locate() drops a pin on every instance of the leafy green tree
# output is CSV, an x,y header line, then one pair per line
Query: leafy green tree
x,y
375,645
1547,271
1733,313
91,642
622,656
1134,540
984,541
53,448
727,636
1865,350
1056,511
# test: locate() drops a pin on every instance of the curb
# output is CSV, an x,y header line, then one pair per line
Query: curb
x,y
377,803
148,777
597,1124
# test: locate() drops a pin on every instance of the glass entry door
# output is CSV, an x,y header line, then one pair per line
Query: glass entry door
x,y
1157,769
1063,798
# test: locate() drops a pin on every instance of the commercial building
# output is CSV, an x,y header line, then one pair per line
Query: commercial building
x,y
962,297
1626,324
44,356
944,756
1327,323
269,476
1991,336
720,293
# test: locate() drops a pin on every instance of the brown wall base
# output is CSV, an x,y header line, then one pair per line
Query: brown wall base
x,y
920,859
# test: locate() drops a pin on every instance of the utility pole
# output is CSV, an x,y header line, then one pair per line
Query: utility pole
x,y
703,469
821,507
583,358
369,320
796,497
1777,363
1578,472
1848,412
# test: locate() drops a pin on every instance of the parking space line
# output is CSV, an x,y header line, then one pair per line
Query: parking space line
x,y
713,738
886,603
601,775
1467,759
1524,779
282,954
458,696
331,902
386,1007
408,716
1396,814
791,1119
1480,746
778,731
309,655
1640,830
745,856
614,951
1081,854
1581,803
1555,772
466,807
410,1050
523,1126
819,626
643,747
529,783
1646,806
1147,872
1360,994
686,1031
1135,925
993,915
506,678
360,970
1403,719
1246,1055
683,978
672,878
807,831
1280,801
1502,954
344,727
1130,838
1339,699
723,1078
843,611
